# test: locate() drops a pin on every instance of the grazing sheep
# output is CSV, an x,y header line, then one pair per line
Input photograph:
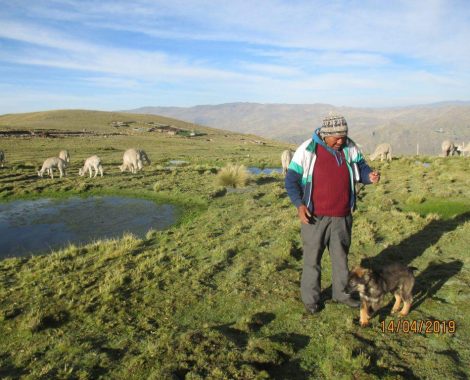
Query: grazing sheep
x,y
132,160
448,148
49,164
463,149
93,162
2,157
65,156
286,158
384,151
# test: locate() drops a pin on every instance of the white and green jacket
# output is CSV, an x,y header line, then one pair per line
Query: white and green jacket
x,y
299,175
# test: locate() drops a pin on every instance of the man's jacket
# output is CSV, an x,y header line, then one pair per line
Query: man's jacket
x,y
299,175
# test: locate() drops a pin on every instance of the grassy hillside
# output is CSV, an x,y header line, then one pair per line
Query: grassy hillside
x,y
217,295
98,121
403,127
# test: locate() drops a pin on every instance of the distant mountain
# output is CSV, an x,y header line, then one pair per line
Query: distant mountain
x,y
403,127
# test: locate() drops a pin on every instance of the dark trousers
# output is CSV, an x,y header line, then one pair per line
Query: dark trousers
x,y
334,233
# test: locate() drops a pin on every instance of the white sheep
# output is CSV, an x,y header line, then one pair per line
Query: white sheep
x,y
463,149
286,158
384,151
448,148
2,157
93,162
65,156
132,160
49,164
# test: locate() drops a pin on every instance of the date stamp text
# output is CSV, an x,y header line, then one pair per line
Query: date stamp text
x,y
419,326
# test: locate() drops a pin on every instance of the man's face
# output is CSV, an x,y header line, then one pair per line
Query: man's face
x,y
335,142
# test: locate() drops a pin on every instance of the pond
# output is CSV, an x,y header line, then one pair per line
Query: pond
x,y
256,171
424,164
37,226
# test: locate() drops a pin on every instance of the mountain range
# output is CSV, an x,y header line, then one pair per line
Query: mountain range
x,y
410,130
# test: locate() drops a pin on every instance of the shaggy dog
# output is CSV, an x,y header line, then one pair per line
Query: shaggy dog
x,y
372,285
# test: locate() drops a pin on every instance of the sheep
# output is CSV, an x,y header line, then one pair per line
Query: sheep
x,y
49,164
463,149
93,162
286,158
2,157
448,148
65,156
132,160
384,151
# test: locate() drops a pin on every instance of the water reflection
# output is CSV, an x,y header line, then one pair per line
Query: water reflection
x,y
255,170
425,164
36,226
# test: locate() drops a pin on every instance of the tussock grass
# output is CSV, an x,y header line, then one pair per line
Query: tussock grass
x,y
233,175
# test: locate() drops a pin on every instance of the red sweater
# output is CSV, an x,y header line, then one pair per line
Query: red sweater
x,y
331,185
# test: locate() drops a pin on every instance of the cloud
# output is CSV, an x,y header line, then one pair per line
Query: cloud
x,y
435,31
302,51
38,35
431,30
68,53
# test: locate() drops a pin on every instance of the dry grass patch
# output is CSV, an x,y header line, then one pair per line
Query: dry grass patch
x,y
233,175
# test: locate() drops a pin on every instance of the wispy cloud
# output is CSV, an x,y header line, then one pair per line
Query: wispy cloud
x,y
41,36
419,27
201,51
69,53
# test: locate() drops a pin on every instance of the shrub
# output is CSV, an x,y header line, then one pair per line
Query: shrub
x,y
233,175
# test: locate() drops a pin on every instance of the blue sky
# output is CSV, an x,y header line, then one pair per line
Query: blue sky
x,y
111,55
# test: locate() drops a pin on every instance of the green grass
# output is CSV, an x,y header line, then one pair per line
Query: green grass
x,y
445,208
216,296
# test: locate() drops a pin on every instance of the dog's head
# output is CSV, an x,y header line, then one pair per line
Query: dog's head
x,y
358,279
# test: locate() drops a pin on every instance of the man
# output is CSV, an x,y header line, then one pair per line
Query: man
x,y
320,183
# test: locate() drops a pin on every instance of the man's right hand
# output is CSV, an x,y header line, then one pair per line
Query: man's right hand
x,y
304,214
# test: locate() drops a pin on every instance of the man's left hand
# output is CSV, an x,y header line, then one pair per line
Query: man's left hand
x,y
374,176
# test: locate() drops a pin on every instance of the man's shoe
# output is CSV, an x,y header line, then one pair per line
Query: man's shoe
x,y
312,309
351,302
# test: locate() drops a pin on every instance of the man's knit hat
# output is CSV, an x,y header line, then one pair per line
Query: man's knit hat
x,y
334,125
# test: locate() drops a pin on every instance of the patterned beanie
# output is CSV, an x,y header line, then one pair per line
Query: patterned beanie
x,y
334,125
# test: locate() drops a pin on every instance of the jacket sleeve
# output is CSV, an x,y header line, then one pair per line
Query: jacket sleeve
x,y
364,171
293,186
